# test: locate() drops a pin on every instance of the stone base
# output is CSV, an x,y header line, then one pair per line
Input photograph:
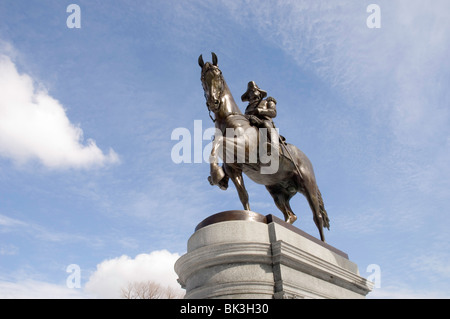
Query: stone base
x,y
242,254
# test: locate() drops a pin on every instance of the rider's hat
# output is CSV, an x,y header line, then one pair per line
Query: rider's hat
x,y
251,87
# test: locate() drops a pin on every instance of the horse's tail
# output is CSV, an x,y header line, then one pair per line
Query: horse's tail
x,y
323,212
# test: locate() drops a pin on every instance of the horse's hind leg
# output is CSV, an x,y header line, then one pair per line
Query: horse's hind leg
x,y
235,174
281,198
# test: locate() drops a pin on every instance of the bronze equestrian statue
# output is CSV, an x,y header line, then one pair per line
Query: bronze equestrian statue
x,y
294,172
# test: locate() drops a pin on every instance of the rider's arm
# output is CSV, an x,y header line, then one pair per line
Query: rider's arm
x,y
269,108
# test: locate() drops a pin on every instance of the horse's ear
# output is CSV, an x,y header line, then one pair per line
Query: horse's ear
x,y
214,58
200,61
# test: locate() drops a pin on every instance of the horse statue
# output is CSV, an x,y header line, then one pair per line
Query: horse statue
x,y
293,171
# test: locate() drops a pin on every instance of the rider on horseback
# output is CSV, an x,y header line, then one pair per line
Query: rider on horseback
x,y
259,111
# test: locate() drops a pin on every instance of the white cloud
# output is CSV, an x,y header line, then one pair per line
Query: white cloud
x,y
34,125
110,277
8,249
397,72
114,274
396,77
8,222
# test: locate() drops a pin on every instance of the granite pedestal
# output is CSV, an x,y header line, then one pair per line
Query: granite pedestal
x,y
242,254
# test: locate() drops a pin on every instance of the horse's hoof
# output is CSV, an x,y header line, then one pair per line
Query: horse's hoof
x,y
292,218
216,176
223,184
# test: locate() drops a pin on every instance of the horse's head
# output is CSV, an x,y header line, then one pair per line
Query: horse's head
x,y
212,82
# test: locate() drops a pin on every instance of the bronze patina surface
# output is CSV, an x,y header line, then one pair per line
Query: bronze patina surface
x,y
294,173
232,215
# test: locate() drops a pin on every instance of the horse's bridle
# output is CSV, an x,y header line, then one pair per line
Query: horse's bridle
x,y
212,68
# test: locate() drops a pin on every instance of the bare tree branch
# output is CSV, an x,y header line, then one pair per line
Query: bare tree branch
x,y
149,290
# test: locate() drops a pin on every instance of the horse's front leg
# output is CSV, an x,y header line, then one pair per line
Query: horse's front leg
x,y
216,172
235,174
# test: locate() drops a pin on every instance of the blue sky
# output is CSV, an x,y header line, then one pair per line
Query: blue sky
x,y
86,117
